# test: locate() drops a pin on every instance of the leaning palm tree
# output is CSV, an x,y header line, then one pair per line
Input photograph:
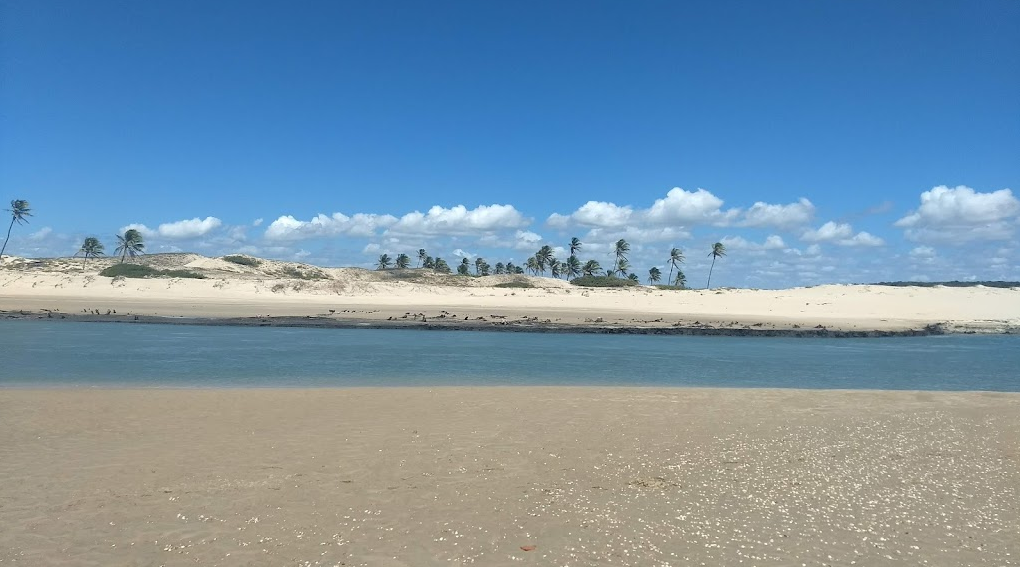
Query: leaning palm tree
x,y
91,248
575,246
544,257
19,210
384,262
654,275
621,249
573,267
622,265
532,264
421,257
633,277
131,244
591,267
676,257
718,251
441,266
555,268
403,261
681,280
479,262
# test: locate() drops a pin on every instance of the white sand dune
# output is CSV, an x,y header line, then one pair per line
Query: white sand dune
x,y
276,288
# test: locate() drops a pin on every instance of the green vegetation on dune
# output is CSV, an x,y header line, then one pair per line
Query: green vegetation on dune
x,y
140,271
603,281
950,284
242,260
515,284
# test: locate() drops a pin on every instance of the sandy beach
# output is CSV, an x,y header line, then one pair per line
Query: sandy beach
x,y
415,297
505,476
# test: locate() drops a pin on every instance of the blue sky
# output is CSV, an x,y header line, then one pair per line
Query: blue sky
x,y
880,140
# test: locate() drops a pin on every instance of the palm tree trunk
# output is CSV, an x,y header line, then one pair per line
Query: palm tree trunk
x,y
670,278
5,240
709,285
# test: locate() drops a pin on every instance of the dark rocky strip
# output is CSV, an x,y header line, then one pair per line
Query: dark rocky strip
x,y
325,322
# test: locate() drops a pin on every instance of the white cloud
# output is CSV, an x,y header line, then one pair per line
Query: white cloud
x,y
780,216
959,214
257,222
923,252
862,239
773,242
183,229
460,220
828,232
191,228
462,254
371,248
679,206
289,228
41,234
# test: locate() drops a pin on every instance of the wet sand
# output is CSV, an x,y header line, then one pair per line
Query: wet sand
x,y
506,476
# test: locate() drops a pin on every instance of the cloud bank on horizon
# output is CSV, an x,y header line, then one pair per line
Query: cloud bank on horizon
x,y
770,244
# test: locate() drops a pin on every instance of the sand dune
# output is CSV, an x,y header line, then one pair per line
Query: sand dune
x,y
281,289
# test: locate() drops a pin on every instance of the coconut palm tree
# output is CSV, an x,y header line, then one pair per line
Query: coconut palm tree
x,y
621,249
544,258
718,251
479,262
403,261
532,265
676,257
421,257
654,275
485,269
622,265
681,280
384,262
441,266
573,267
500,268
575,246
591,267
131,244
19,211
91,248
633,277
554,268
464,268
428,262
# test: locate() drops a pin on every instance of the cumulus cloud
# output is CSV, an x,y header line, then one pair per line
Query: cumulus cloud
x,y
960,213
191,228
923,252
41,234
773,242
182,229
779,216
257,222
841,234
686,209
289,228
459,220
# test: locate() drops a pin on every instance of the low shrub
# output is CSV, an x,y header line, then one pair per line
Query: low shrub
x,y
140,271
515,284
297,273
671,287
242,260
602,281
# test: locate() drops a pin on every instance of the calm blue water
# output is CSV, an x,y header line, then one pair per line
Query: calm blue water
x,y
47,353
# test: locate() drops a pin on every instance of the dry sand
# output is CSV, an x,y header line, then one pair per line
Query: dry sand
x,y
577,476
60,285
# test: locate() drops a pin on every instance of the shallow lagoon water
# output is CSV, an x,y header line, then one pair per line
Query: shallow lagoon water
x,y
55,353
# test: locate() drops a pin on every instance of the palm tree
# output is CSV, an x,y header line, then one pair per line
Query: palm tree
x,y
621,249
591,267
441,266
464,267
544,258
384,262
19,210
681,280
421,257
622,265
485,268
532,265
428,262
654,275
676,257
500,268
479,262
92,247
573,267
555,268
403,261
718,250
131,244
633,277
575,246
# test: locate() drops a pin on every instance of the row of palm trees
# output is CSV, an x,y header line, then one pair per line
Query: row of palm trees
x,y
131,243
544,260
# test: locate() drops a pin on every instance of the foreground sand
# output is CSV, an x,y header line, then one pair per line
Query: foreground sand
x,y
588,476
232,291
